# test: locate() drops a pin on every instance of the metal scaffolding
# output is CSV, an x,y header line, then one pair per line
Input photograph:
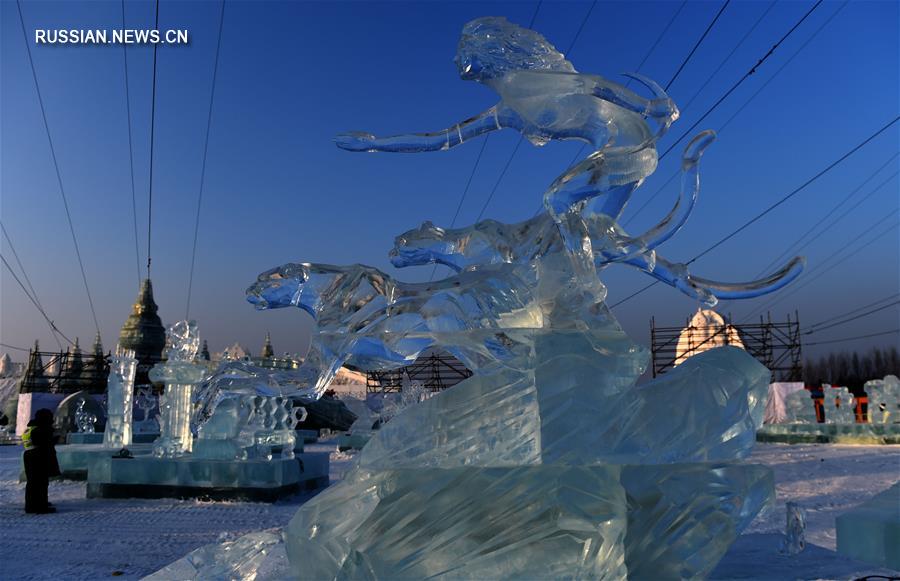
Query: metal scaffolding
x,y
775,345
65,373
436,371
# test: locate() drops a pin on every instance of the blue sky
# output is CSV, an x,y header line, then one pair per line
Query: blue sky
x,y
294,74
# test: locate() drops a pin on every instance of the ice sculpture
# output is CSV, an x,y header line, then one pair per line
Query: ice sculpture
x,y
84,419
884,400
248,426
841,406
800,407
549,462
119,393
180,376
795,530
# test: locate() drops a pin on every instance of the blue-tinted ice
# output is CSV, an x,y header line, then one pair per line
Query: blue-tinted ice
x,y
549,461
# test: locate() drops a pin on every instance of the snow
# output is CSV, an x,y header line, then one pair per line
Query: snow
x,y
91,539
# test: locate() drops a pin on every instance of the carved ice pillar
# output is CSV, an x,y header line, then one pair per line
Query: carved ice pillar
x,y
119,397
180,376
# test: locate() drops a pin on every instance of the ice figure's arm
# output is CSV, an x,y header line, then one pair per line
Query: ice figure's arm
x,y
491,120
684,205
661,109
710,291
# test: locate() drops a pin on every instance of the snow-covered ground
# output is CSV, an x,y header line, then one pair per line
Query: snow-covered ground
x,y
93,539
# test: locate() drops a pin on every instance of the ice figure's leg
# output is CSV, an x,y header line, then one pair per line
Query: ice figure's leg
x,y
545,522
684,205
683,517
497,117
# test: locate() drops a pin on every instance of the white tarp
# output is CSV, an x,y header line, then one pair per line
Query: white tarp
x,y
775,411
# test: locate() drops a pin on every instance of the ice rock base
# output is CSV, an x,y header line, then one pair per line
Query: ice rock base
x,y
545,522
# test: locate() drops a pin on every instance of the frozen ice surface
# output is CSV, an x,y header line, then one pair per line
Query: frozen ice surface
x,y
256,555
871,531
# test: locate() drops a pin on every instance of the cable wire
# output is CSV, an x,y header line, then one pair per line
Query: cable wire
x,y
854,318
781,201
739,44
62,190
27,280
832,262
887,298
137,251
33,301
731,90
697,45
843,339
152,144
828,227
212,94
14,347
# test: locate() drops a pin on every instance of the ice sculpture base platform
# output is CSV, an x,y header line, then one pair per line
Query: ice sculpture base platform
x,y
871,531
74,459
188,477
97,438
860,434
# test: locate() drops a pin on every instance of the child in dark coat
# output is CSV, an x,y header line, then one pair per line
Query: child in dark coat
x,y
40,462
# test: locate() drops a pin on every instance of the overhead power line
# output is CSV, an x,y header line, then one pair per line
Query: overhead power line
x,y
833,261
212,94
799,244
657,41
14,347
27,280
781,201
152,144
879,301
739,44
137,251
62,190
33,301
854,318
697,45
845,339
727,93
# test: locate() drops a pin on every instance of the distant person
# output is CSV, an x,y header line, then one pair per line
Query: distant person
x,y
40,462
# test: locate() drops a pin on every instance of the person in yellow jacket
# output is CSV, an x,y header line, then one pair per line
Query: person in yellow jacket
x,y
40,462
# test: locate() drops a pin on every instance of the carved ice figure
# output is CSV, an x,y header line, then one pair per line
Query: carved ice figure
x,y
180,375
84,419
545,98
795,530
149,406
549,461
884,400
367,318
800,408
119,394
841,406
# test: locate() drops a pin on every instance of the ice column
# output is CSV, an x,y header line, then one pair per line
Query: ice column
x,y
119,397
795,530
180,376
